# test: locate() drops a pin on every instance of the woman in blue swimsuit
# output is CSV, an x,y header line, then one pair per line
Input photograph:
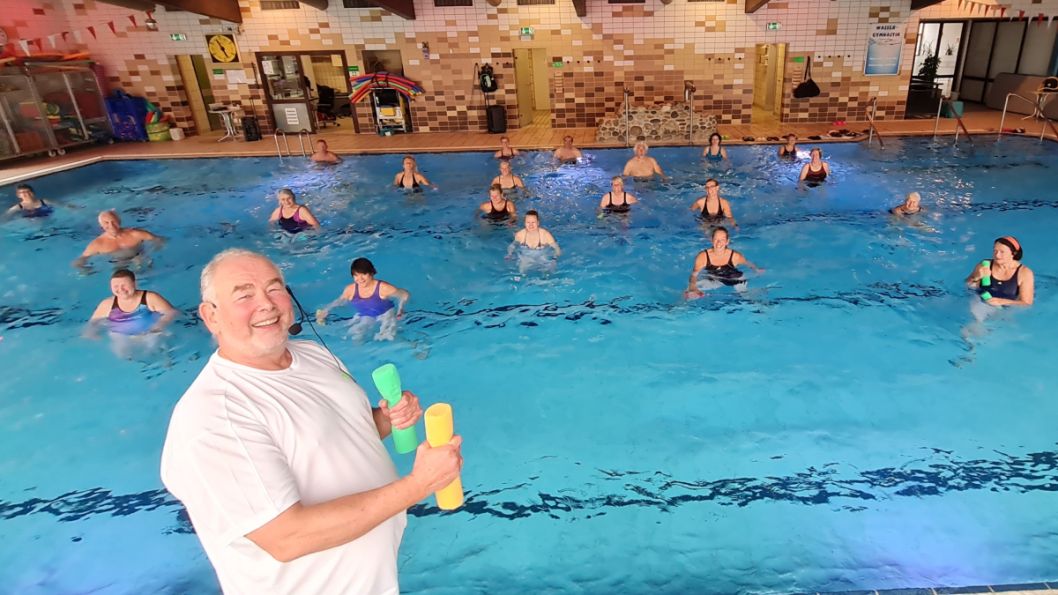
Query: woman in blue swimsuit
x,y
29,206
715,152
372,299
1009,283
130,313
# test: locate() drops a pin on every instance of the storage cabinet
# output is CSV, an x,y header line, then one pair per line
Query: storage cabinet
x,y
50,106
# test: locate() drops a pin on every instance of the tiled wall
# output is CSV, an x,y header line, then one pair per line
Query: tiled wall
x,y
650,49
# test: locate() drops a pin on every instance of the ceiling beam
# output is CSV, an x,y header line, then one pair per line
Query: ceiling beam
x,y
225,10
317,4
920,4
753,6
582,7
401,8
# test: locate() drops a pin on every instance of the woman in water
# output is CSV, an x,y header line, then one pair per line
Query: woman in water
x,y
373,301
29,206
533,237
816,170
1004,281
497,208
911,205
616,200
714,152
292,217
721,266
790,148
131,312
711,208
507,180
506,150
409,177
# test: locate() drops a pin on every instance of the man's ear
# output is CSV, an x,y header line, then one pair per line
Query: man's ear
x,y
207,311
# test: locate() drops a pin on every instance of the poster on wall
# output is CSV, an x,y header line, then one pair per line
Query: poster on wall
x,y
883,49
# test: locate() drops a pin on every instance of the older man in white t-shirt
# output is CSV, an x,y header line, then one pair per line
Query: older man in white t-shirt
x,y
277,453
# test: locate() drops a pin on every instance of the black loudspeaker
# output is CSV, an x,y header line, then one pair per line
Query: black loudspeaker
x,y
496,116
251,130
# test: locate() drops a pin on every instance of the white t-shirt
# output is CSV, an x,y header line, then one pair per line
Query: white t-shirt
x,y
245,444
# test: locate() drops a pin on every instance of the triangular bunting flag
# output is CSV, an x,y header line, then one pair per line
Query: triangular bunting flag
x,y
77,36
1039,19
1021,14
51,40
65,34
36,42
132,18
92,30
113,29
22,43
1002,11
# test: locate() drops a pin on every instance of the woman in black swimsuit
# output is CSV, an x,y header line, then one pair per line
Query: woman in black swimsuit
x,y
497,208
506,150
409,177
789,150
711,208
616,200
507,180
816,170
1004,281
720,264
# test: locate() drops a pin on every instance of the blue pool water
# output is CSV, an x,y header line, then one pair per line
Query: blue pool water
x,y
830,429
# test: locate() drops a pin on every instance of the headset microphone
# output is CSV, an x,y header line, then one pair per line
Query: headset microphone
x,y
295,329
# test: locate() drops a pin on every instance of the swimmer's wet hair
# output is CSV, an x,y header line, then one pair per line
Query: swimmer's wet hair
x,y
497,188
124,274
23,187
110,212
615,178
914,195
532,213
205,280
717,135
412,157
641,143
363,266
713,180
288,192
814,149
720,228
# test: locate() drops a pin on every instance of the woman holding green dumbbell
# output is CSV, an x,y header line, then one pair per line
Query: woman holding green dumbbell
x,y
1004,281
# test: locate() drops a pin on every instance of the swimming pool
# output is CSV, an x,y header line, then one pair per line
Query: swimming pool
x,y
830,429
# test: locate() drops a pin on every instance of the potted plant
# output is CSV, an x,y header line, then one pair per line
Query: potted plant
x,y
923,93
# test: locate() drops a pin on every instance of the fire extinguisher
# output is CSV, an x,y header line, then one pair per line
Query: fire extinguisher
x,y
487,79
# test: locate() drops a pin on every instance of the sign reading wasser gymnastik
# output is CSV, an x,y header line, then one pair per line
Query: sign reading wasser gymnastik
x,y
883,49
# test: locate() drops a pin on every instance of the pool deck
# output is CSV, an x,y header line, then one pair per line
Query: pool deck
x,y
534,137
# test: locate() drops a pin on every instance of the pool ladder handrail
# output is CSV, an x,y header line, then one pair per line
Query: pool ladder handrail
x,y
1037,112
873,130
286,143
959,124
302,135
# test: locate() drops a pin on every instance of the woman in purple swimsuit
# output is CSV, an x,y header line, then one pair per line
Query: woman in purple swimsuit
x,y
292,217
372,299
130,313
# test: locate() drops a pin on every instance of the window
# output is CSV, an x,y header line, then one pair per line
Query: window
x,y
445,3
358,4
532,2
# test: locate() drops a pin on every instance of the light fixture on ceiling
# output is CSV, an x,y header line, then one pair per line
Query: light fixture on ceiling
x,y
150,23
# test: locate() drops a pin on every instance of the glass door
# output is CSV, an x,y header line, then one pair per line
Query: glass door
x,y
23,125
286,90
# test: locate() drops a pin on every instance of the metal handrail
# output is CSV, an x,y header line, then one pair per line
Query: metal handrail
x,y
872,130
286,142
627,123
958,121
301,140
1036,110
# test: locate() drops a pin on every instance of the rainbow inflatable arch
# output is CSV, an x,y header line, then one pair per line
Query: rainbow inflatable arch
x,y
362,85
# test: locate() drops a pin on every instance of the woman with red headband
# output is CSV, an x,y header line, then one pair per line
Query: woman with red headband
x,y
1004,281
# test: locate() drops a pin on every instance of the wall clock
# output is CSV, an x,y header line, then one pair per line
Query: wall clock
x,y
222,48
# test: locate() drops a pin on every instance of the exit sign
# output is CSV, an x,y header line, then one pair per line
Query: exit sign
x,y
774,26
178,37
528,31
